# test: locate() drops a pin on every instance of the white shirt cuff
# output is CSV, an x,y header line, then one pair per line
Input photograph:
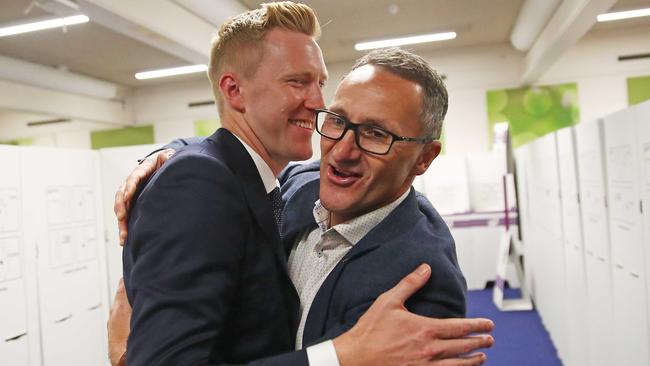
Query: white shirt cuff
x,y
322,354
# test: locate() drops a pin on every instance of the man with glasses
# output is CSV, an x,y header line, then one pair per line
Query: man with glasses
x,y
353,224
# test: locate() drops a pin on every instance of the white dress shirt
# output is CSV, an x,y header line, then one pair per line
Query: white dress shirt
x,y
317,252
268,178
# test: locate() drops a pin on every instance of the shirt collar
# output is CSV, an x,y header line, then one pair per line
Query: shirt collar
x,y
354,230
269,180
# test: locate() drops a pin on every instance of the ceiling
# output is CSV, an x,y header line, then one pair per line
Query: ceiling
x,y
109,54
348,22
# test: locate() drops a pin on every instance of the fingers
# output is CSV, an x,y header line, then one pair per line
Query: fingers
x,y
469,360
409,284
458,328
450,348
163,156
121,212
125,193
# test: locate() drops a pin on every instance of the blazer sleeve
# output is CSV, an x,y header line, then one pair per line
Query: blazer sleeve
x,y
176,145
181,260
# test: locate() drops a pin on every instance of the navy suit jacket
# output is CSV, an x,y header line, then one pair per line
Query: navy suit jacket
x,y
204,268
413,233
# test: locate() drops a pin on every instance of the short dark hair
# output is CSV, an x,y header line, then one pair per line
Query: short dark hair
x,y
414,68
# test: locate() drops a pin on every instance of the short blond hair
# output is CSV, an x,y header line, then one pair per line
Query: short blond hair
x,y
239,42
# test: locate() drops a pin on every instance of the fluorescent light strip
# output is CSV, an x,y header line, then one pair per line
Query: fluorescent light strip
x,y
45,24
405,40
623,15
170,72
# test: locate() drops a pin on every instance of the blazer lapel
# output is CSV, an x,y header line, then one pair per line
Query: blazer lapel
x,y
298,214
240,162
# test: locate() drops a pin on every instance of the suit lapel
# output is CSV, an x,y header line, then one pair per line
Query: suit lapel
x,y
402,217
241,163
298,214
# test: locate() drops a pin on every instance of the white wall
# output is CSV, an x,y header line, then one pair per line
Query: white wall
x,y
74,134
166,107
165,102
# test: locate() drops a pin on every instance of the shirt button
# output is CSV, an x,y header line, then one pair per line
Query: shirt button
x,y
319,253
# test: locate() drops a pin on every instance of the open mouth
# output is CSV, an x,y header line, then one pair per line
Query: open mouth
x,y
342,177
343,174
307,125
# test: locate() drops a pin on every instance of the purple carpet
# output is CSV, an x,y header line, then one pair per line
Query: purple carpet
x,y
520,337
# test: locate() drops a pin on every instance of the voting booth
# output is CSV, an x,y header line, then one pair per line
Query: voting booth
x,y
545,236
52,271
643,151
60,261
624,165
576,289
19,328
583,193
595,232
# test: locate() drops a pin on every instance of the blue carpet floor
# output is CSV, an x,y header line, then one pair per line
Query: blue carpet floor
x,y
520,337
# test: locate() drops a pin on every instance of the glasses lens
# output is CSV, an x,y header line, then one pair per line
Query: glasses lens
x,y
374,140
329,125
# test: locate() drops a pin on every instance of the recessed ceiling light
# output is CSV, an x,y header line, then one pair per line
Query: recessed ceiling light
x,y
623,15
44,24
170,72
434,37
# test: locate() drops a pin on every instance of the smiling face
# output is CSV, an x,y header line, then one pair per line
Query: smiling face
x,y
354,182
280,97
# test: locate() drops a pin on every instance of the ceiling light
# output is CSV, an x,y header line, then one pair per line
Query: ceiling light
x,y
404,41
624,15
45,24
170,72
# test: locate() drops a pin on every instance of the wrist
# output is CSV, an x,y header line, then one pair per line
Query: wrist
x,y
344,347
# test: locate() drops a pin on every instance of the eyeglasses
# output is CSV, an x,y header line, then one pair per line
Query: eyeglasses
x,y
372,139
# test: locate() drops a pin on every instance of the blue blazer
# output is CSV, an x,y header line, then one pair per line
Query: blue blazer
x,y
413,233
204,268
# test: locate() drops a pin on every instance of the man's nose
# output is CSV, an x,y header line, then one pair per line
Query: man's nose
x,y
346,148
314,98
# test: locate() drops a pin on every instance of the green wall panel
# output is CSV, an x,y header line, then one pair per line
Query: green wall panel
x,y
18,142
533,111
206,127
638,90
141,135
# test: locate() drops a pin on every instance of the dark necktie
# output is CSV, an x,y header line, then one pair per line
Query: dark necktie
x,y
277,204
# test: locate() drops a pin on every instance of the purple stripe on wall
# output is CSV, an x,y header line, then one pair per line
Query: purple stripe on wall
x,y
481,222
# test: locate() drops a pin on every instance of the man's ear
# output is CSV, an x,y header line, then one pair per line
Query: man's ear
x,y
429,152
230,85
